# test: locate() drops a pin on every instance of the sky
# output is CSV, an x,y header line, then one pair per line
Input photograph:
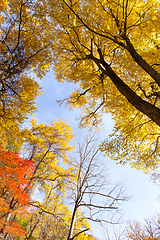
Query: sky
x,y
144,199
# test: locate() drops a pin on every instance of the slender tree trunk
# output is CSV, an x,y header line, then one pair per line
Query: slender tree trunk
x,y
32,230
72,222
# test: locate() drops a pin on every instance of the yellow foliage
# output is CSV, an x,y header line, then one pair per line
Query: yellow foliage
x,y
97,38
25,41
49,144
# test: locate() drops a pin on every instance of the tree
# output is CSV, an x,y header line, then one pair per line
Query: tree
x,y
111,49
46,146
150,230
25,42
81,184
46,226
91,191
61,183
14,191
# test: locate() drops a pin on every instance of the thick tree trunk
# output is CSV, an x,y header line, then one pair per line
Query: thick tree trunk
x,y
141,62
143,106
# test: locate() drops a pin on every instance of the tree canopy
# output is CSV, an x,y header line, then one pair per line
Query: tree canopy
x,y
148,231
14,190
110,49
25,42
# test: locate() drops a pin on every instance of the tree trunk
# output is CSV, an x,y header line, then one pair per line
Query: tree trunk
x,y
72,222
143,106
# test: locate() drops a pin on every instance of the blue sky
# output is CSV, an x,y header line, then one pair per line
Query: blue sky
x,y
144,202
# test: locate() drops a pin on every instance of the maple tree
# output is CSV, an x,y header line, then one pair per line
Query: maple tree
x,y
14,191
111,50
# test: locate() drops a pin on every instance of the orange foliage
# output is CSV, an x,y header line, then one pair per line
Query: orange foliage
x,y
3,4
15,173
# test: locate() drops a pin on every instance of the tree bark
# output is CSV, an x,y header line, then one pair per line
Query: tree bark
x,y
72,222
143,106
141,62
